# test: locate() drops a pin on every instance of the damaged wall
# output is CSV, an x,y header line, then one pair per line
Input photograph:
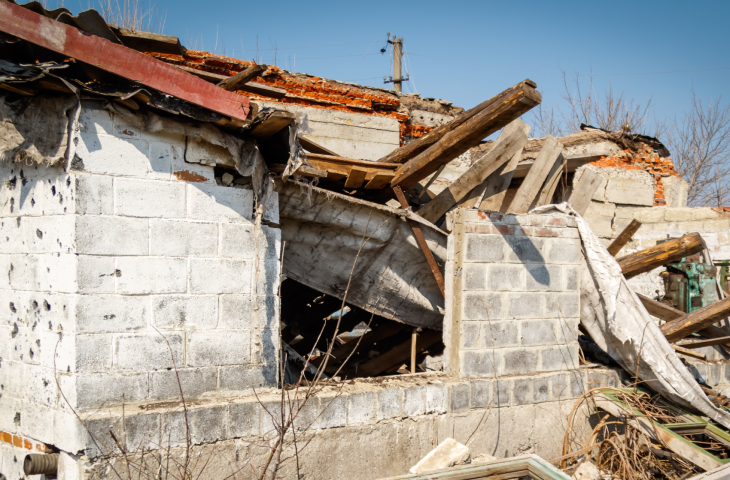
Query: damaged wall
x,y
98,258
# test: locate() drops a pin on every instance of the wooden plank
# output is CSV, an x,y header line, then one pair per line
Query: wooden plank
x,y
457,141
497,184
697,320
311,146
356,177
149,42
689,353
335,175
397,354
340,165
418,233
264,90
125,62
583,192
624,237
273,124
670,251
710,342
672,441
303,170
551,182
340,352
380,180
510,141
533,182
236,81
403,154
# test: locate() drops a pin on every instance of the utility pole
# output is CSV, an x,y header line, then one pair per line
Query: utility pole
x,y
397,64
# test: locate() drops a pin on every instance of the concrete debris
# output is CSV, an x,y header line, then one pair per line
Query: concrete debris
x,y
587,471
483,458
447,454
227,179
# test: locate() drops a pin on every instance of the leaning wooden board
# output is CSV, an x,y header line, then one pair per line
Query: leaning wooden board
x,y
340,167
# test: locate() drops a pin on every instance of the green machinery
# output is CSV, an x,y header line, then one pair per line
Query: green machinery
x,y
689,284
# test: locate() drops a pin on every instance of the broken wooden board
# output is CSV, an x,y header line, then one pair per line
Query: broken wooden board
x,y
530,188
398,354
510,142
313,147
624,237
339,167
689,353
551,182
457,141
303,170
392,277
251,87
149,42
696,320
497,184
356,177
239,80
701,343
583,192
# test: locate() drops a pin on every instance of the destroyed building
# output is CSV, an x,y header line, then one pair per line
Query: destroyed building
x,y
190,242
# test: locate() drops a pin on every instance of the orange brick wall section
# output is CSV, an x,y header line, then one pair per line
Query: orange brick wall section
x,y
644,159
21,442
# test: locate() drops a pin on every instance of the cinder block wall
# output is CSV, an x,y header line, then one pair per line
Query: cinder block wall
x,y
512,294
106,264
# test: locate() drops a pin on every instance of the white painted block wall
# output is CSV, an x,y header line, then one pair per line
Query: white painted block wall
x,y
104,265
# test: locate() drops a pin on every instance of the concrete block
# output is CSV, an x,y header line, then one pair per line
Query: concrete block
x,y
195,383
544,278
520,362
633,187
447,454
208,424
484,248
219,347
459,397
267,277
110,313
678,215
190,172
93,274
525,305
388,403
111,235
110,155
480,393
146,352
540,389
568,330
149,198
498,334
560,387
185,311
502,393
239,311
216,276
92,195
562,305
142,431
561,357
40,386
102,442
94,391
172,238
332,412
93,353
522,391
268,243
269,346
202,151
482,306
54,234
506,278
717,225
34,422
525,249
436,398
414,401
220,204
653,215
238,240
571,278
475,276
244,378
480,363
577,384
160,167
601,226
360,408
564,250
470,335
245,419
676,190
538,332
145,275
598,209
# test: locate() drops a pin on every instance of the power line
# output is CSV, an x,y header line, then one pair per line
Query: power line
x,y
340,56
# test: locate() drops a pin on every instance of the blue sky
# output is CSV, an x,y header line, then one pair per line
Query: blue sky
x,y
528,39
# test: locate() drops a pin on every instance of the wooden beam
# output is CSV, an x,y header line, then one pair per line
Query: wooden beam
x,y
512,139
584,190
340,167
624,237
241,78
688,352
551,182
533,182
670,251
380,180
697,320
406,152
457,141
312,147
497,184
418,233
398,354
262,89
120,60
335,175
277,121
356,177
149,42
303,170
710,342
